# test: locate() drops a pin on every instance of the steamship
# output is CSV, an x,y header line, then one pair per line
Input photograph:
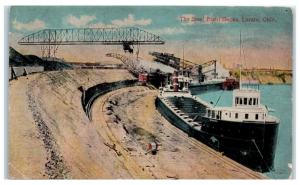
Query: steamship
x,y
244,132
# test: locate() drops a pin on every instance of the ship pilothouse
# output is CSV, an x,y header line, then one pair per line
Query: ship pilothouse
x,y
246,107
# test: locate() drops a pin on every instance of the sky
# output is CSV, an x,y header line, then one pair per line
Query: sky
x,y
205,33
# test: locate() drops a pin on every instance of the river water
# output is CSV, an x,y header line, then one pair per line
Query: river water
x,y
279,98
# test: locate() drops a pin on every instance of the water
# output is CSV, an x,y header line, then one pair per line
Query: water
x,y
279,98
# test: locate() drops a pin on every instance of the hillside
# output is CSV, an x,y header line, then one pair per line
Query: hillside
x,y
265,76
17,59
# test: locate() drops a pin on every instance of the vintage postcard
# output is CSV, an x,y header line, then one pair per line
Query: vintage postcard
x,y
150,92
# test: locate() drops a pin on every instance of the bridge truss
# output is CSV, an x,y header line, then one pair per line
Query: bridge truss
x,y
50,39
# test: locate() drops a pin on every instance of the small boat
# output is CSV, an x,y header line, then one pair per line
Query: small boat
x,y
230,84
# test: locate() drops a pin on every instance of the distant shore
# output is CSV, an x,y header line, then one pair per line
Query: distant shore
x,y
265,76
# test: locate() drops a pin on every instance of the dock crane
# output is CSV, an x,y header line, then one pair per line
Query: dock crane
x,y
202,72
183,64
50,39
173,61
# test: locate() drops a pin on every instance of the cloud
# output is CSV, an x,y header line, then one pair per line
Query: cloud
x,y
29,26
131,21
82,21
100,25
89,21
168,31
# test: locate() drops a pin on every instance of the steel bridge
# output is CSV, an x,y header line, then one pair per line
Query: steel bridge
x,y
50,39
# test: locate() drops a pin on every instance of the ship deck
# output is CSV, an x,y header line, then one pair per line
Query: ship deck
x,y
185,113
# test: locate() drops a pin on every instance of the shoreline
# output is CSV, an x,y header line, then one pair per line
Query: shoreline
x,y
265,76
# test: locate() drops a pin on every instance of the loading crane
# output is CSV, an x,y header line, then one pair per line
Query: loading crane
x,y
202,72
171,60
50,39
197,70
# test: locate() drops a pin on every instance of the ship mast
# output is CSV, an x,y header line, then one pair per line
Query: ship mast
x,y
240,66
182,58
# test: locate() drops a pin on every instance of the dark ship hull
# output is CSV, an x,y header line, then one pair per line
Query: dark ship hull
x,y
228,84
196,88
251,144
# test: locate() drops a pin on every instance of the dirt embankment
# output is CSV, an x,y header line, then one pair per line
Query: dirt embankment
x,y
129,121
49,133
